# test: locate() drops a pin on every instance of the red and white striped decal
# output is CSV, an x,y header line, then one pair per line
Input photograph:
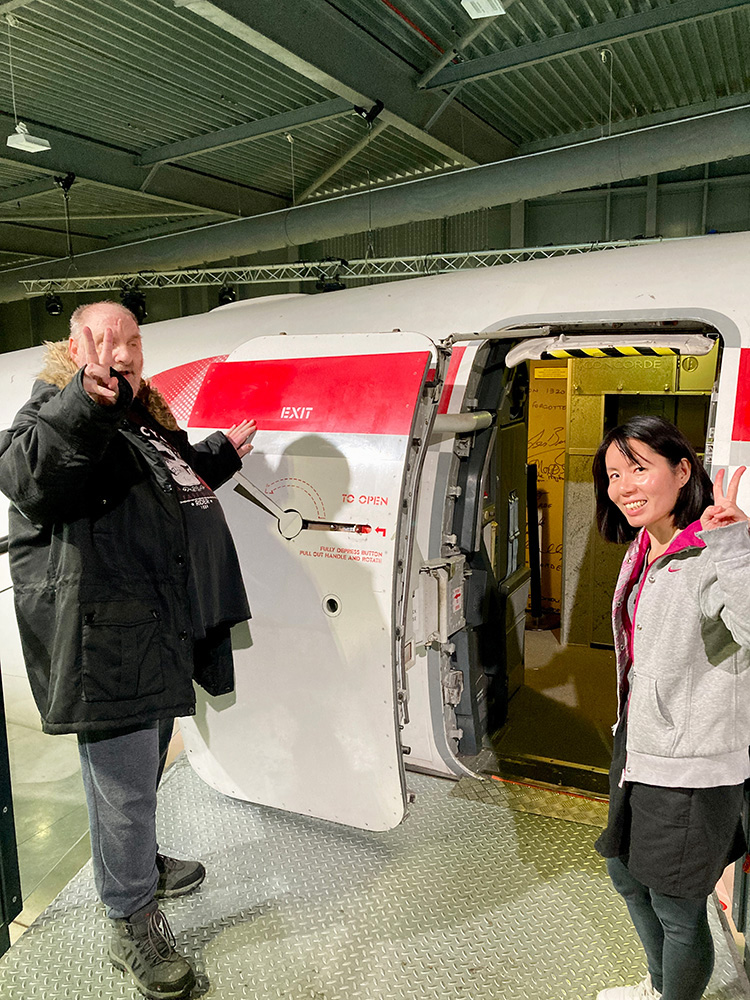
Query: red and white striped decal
x,y
180,385
352,394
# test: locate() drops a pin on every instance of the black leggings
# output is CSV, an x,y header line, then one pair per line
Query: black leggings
x,y
674,933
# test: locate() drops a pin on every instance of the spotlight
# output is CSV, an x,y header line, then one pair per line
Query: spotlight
x,y
134,300
329,285
227,294
53,305
329,277
65,183
372,114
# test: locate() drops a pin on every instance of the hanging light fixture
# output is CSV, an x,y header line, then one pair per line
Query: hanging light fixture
x,y
478,9
21,138
133,299
53,305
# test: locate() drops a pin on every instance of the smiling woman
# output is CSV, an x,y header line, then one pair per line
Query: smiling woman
x,y
646,488
646,473
683,659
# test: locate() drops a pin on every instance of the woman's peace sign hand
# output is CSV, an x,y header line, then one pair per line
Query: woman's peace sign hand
x,y
724,509
101,386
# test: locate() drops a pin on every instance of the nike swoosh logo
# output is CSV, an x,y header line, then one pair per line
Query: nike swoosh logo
x,y
674,569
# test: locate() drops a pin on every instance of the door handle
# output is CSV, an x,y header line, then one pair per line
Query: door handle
x,y
291,522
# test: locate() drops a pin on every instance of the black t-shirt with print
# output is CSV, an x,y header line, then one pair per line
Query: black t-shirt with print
x,y
213,558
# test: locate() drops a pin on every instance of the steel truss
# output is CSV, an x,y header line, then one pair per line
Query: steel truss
x,y
330,269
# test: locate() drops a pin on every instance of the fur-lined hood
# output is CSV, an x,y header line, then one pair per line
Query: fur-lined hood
x,y
59,368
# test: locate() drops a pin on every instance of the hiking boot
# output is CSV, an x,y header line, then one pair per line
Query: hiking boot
x,y
643,991
176,878
143,945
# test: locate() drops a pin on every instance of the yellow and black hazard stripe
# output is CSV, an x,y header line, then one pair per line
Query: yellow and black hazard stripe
x,y
610,352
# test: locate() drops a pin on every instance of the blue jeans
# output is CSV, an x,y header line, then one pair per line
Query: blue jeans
x,y
121,771
674,933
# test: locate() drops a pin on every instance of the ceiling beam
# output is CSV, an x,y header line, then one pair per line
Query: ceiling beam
x,y
342,161
635,124
42,241
11,5
608,33
447,57
117,169
31,189
100,217
35,238
319,43
248,131
156,231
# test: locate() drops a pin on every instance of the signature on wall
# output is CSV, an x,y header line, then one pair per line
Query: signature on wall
x,y
547,450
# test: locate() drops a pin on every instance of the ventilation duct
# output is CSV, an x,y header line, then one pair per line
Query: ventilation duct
x,y
704,139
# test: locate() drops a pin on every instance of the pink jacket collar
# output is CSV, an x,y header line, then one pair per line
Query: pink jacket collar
x,y
687,538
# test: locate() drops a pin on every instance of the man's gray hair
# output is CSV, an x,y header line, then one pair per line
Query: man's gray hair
x,y
78,316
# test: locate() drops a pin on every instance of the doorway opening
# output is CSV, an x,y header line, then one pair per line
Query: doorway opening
x,y
549,716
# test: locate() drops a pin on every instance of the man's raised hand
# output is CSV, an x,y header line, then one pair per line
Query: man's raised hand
x,y
98,382
724,509
240,435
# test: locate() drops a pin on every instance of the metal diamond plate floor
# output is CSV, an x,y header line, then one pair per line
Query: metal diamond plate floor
x,y
466,900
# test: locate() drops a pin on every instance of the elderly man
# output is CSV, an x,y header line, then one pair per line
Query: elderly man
x,y
126,584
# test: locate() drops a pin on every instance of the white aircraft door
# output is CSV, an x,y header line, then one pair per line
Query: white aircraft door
x,y
322,520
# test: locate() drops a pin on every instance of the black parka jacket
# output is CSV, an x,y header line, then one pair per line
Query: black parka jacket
x,y
99,554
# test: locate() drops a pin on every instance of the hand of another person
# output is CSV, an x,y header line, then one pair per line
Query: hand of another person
x,y
98,382
239,435
724,509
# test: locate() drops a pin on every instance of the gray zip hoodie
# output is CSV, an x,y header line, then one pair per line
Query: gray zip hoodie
x,y
687,696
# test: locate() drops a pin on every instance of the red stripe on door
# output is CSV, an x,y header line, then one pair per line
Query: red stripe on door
x,y
450,379
355,394
741,428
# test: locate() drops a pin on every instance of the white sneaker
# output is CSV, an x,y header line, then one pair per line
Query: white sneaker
x,y
643,991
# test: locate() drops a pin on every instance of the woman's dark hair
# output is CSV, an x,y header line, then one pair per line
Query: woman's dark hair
x,y
666,440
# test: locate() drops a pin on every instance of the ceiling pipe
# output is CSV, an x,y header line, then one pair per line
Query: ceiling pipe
x,y
708,138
